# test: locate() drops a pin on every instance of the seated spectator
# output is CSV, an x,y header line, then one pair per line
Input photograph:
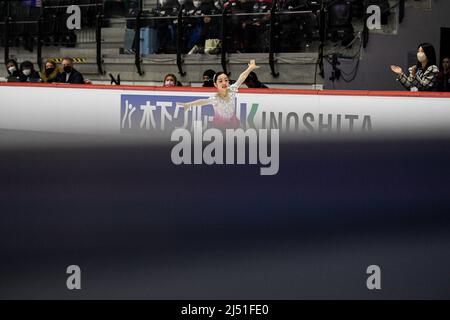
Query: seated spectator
x,y
170,80
191,25
208,40
14,73
69,74
208,77
29,74
294,27
50,73
253,82
443,77
254,28
166,28
206,27
422,76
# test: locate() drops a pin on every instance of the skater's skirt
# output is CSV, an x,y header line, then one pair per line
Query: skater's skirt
x,y
224,123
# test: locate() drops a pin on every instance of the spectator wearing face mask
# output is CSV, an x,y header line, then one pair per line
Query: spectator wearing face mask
x,y
253,82
29,74
254,28
218,7
422,76
166,28
209,29
13,70
193,25
197,4
208,76
50,72
170,80
444,76
69,74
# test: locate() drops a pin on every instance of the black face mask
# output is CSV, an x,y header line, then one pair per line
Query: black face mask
x,y
208,83
49,71
67,69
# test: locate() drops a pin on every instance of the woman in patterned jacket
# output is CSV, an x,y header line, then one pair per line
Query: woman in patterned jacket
x,y
422,76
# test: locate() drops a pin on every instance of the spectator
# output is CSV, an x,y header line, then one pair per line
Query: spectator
x,y
69,74
254,28
13,70
208,76
236,23
50,73
170,80
191,28
29,74
218,7
166,29
422,76
252,81
293,25
207,27
444,76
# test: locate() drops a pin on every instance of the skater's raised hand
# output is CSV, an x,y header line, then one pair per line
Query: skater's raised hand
x,y
252,65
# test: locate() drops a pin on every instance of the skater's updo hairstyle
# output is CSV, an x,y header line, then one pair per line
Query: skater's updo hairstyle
x,y
216,76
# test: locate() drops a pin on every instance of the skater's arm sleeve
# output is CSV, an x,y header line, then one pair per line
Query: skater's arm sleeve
x,y
195,103
243,76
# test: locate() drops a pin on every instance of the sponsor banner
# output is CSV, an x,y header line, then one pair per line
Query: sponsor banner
x,y
346,113
140,113
292,113
157,112
110,109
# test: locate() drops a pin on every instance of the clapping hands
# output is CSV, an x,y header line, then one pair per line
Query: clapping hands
x,y
397,70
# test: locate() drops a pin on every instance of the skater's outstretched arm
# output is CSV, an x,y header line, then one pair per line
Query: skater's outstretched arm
x,y
196,103
251,66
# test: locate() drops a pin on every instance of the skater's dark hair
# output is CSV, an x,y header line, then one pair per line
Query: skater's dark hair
x,y
216,76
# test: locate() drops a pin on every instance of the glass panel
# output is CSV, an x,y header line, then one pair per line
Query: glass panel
x,y
248,27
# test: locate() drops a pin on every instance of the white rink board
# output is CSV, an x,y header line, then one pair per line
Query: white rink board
x,y
95,109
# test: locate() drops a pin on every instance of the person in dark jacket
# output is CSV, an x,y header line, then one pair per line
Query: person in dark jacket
x,y
13,71
253,82
28,72
69,74
208,76
443,77
50,73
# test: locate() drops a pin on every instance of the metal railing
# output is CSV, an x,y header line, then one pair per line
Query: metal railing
x,y
273,27
47,27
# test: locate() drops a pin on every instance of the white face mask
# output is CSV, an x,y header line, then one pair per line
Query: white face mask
x,y
169,83
12,69
421,56
26,72
197,3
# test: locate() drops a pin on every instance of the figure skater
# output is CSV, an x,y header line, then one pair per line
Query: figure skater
x,y
224,102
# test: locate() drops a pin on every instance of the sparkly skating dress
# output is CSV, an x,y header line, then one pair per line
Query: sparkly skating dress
x,y
225,109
